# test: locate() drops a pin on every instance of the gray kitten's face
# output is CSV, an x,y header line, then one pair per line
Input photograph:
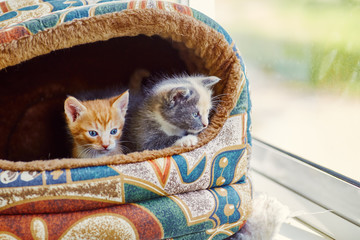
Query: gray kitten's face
x,y
188,108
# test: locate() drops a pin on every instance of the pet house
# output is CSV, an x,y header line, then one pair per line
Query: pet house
x,y
51,49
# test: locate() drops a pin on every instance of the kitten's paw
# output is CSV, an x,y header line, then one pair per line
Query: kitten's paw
x,y
187,141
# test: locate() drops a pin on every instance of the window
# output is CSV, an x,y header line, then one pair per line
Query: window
x,y
303,62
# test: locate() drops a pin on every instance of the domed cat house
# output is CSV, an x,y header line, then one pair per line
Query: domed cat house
x,y
52,49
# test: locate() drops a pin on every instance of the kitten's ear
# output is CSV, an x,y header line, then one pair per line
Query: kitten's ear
x,y
179,94
73,108
121,102
209,81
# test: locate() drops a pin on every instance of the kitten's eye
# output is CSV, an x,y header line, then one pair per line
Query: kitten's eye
x,y
196,114
113,131
93,133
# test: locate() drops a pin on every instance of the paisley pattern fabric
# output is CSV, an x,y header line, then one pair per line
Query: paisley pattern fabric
x,y
202,194
215,213
22,18
195,194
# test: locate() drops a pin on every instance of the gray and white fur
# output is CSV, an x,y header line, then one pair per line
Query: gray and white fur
x,y
171,112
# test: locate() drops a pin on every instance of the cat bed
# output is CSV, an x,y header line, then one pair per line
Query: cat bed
x,y
51,49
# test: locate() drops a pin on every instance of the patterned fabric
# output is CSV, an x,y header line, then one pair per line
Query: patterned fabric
x,y
202,194
162,189
22,18
216,213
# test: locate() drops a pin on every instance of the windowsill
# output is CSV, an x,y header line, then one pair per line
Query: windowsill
x,y
323,206
293,229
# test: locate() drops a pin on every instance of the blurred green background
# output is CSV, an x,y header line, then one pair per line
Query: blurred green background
x,y
303,64
312,42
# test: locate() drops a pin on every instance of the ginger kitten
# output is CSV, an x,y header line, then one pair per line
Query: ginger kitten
x,y
96,125
170,113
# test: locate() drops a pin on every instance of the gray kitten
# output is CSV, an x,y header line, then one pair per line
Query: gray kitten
x,y
170,113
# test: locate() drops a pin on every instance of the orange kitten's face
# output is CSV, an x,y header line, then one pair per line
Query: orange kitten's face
x,y
96,126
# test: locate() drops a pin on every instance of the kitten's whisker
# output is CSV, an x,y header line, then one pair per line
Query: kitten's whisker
x,y
94,153
90,152
86,151
221,95
214,103
217,99
83,146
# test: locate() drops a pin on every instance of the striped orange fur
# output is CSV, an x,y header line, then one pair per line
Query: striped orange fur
x,y
96,125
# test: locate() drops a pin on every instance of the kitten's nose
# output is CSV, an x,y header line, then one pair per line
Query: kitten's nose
x,y
205,122
105,146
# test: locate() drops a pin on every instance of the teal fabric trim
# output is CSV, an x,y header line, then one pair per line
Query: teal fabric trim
x,y
223,167
135,193
213,24
63,4
110,8
8,15
29,8
58,178
20,179
40,24
249,122
77,14
242,103
231,198
170,214
89,173
242,180
186,176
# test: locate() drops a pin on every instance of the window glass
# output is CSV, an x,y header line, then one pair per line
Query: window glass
x,y
303,62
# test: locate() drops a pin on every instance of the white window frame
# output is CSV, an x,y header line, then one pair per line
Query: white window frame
x,y
320,198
